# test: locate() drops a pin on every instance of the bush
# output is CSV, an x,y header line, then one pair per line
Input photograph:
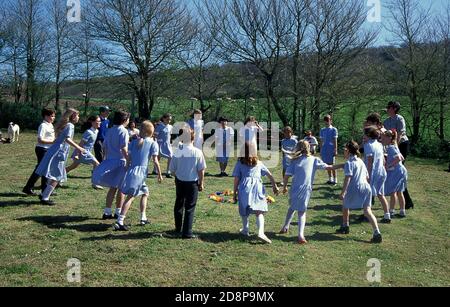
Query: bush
x,y
434,149
25,115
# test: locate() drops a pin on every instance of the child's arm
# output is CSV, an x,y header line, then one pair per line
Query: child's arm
x,y
344,189
394,163
335,147
369,166
236,187
335,167
285,184
275,188
124,152
158,168
76,146
201,178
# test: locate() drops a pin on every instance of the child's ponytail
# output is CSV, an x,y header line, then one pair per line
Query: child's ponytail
x,y
303,148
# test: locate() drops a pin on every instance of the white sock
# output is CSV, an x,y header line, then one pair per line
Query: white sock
x,y
392,212
47,192
107,211
118,211
335,180
120,219
289,217
143,216
245,224
387,216
260,224
330,179
301,224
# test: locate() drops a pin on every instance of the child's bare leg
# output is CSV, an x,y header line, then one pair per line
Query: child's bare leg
x,y
143,207
74,165
126,206
288,220
345,217
372,219
168,165
301,225
393,200
402,201
333,172
385,205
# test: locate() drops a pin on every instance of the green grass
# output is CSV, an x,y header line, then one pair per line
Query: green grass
x,y
37,241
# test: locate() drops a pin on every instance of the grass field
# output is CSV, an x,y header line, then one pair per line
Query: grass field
x,y
37,241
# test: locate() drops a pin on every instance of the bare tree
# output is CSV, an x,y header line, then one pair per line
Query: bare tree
x,y
337,37
138,36
252,31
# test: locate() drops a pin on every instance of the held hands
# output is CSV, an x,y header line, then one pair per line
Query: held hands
x,y
285,190
160,178
342,196
276,190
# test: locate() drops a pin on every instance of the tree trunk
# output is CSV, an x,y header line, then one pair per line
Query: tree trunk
x,y
415,111
271,98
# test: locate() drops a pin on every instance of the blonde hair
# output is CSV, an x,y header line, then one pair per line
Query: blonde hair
x,y
392,135
302,149
65,119
146,131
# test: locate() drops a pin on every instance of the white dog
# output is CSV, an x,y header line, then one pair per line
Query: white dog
x,y
13,132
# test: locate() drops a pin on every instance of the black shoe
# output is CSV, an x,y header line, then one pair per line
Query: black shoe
x,y
192,237
169,176
330,182
386,221
225,174
108,217
118,227
47,202
144,222
363,218
409,206
344,230
400,216
29,192
115,216
154,173
377,239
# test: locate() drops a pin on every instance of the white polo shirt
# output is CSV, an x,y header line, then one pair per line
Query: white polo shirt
x,y
46,132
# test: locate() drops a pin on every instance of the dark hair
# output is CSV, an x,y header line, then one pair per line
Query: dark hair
x,y
372,132
196,111
120,117
308,132
247,159
327,118
396,105
374,118
353,148
88,123
47,112
288,129
249,119
167,115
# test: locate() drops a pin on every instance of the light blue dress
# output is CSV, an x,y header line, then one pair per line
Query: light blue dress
x,y
111,171
224,144
251,191
359,192
288,145
52,165
375,149
397,176
134,182
88,138
164,133
328,136
303,170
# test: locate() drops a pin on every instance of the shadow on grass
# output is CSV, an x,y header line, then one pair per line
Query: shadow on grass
x,y
13,194
78,177
15,203
327,207
64,222
335,221
124,236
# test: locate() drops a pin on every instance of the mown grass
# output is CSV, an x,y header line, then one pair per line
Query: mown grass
x,y
37,241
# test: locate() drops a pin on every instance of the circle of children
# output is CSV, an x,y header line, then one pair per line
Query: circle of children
x,y
121,159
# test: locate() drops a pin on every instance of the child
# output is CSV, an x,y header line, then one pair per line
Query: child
x,y
188,165
111,172
224,136
87,142
248,183
328,140
141,149
374,160
46,137
52,165
133,132
163,134
397,175
357,193
303,167
249,133
196,123
288,144
312,141
98,146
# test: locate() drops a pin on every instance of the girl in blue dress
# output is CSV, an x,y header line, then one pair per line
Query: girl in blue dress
x,y
328,150
357,192
133,185
375,163
397,175
163,132
111,171
288,144
303,167
52,165
87,142
249,190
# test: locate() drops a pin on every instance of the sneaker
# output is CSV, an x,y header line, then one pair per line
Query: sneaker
x,y
400,216
344,230
264,239
144,222
302,242
386,221
47,202
377,239
284,231
29,192
108,217
97,187
330,182
244,232
118,227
